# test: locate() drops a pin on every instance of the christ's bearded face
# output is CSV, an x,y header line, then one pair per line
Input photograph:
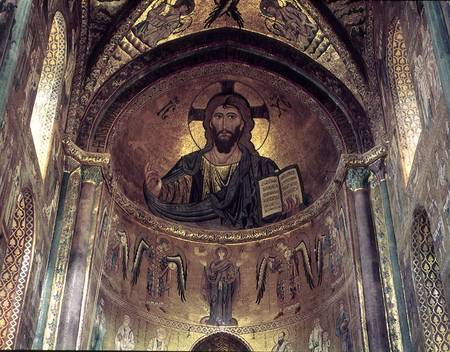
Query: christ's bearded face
x,y
227,125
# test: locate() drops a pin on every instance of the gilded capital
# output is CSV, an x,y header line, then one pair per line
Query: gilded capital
x,y
357,178
92,174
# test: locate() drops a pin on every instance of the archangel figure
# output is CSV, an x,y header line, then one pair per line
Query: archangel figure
x,y
161,262
118,255
285,262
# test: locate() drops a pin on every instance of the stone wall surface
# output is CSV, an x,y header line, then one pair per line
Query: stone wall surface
x,y
428,184
19,166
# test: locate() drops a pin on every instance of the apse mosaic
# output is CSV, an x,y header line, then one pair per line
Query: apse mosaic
x,y
225,148
228,157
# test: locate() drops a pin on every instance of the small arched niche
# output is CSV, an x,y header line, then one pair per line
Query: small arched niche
x,y
432,303
221,341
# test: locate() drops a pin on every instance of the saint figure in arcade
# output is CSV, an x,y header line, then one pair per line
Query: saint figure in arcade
x,y
220,181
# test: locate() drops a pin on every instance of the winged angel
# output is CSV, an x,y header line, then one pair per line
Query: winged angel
x,y
119,254
161,263
285,262
165,18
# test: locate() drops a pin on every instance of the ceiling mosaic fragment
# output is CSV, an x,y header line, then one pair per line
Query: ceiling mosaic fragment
x,y
102,15
286,20
352,14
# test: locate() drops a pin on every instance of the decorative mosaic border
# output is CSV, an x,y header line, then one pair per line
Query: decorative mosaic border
x,y
407,117
15,270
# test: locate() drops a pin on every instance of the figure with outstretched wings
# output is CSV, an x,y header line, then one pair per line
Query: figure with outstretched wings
x,y
285,262
118,255
228,7
161,263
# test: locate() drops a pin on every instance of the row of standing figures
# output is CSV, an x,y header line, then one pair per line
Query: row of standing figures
x,y
319,339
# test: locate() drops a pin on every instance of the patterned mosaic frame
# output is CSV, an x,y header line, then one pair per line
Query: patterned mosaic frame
x,y
15,271
49,90
405,103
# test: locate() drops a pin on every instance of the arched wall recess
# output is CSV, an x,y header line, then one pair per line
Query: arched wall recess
x,y
49,90
428,285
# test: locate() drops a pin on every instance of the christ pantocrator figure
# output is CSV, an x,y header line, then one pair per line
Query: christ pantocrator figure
x,y
220,180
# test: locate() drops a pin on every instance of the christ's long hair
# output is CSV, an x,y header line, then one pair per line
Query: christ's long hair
x,y
242,105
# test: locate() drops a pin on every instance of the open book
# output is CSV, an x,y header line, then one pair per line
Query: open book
x,y
278,188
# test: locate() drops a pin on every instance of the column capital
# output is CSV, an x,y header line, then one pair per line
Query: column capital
x,y
378,168
91,174
357,178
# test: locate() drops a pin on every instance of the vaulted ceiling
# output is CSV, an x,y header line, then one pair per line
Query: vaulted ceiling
x,y
334,34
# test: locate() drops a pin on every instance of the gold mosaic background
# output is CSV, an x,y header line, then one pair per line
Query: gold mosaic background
x,y
299,131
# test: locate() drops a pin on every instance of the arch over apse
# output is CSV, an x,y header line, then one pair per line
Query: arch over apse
x,y
218,46
221,342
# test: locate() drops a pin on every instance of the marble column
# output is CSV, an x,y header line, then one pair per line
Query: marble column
x,y
378,169
357,182
78,266
15,40
48,279
62,235
437,14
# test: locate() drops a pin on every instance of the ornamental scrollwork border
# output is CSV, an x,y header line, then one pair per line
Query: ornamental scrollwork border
x,y
83,157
